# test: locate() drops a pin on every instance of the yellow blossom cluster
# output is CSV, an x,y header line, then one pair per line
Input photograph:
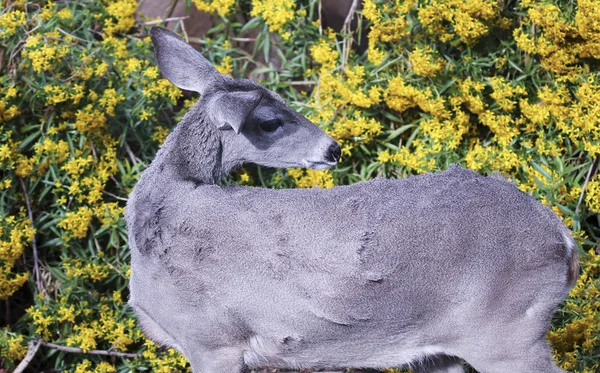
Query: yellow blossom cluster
x,y
160,134
74,268
87,334
401,96
9,21
324,54
580,336
592,197
311,178
102,367
226,66
164,361
425,63
123,16
418,161
335,91
12,346
468,19
15,233
276,14
388,25
220,7
561,43
44,54
109,213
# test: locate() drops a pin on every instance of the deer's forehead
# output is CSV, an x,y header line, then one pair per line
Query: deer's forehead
x,y
248,85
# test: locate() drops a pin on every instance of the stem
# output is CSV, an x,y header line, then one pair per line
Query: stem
x,y
347,43
36,269
170,9
587,178
76,350
164,20
34,346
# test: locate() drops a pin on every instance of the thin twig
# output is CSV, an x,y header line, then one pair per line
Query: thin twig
x,y
85,62
244,40
587,178
33,348
36,268
115,196
164,20
171,8
115,268
183,30
93,151
98,247
132,156
347,43
72,36
320,18
301,82
29,32
76,350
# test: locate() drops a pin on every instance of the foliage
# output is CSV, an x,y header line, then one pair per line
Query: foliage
x,y
494,85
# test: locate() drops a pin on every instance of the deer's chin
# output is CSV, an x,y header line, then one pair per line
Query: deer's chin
x,y
322,165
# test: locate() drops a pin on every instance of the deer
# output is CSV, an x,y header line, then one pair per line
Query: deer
x,y
427,271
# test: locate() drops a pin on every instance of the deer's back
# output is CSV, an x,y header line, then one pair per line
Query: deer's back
x,y
396,252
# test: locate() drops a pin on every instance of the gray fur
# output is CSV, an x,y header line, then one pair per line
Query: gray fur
x,y
418,271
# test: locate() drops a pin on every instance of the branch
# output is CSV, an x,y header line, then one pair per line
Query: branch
x,y
587,178
71,35
187,39
31,351
171,8
350,16
36,268
132,156
347,44
115,196
164,20
76,350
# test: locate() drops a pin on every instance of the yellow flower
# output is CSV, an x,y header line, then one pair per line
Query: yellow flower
x,y
160,134
123,11
226,66
276,13
425,63
11,92
65,13
76,223
592,195
311,178
468,19
325,55
220,7
10,20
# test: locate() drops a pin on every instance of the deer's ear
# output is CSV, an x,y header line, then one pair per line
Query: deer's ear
x,y
180,63
229,110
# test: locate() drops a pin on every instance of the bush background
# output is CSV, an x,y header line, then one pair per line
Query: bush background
x,y
509,86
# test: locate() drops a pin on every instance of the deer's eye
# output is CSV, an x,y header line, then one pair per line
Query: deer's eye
x,y
270,125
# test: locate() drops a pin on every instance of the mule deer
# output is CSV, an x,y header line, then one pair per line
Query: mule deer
x,y
424,271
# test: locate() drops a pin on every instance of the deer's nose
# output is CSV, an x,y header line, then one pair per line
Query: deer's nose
x,y
334,152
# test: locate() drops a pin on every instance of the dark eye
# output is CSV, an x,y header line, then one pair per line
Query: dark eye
x,y
270,125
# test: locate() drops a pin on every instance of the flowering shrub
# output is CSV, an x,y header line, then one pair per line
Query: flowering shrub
x,y
494,86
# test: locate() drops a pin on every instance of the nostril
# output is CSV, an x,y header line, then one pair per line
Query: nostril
x,y
334,152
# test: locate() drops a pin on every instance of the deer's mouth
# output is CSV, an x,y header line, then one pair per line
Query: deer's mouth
x,y
318,165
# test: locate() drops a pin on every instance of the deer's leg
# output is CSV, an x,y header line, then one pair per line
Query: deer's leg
x,y
218,361
439,364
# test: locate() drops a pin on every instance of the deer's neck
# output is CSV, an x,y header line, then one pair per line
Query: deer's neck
x,y
193,152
